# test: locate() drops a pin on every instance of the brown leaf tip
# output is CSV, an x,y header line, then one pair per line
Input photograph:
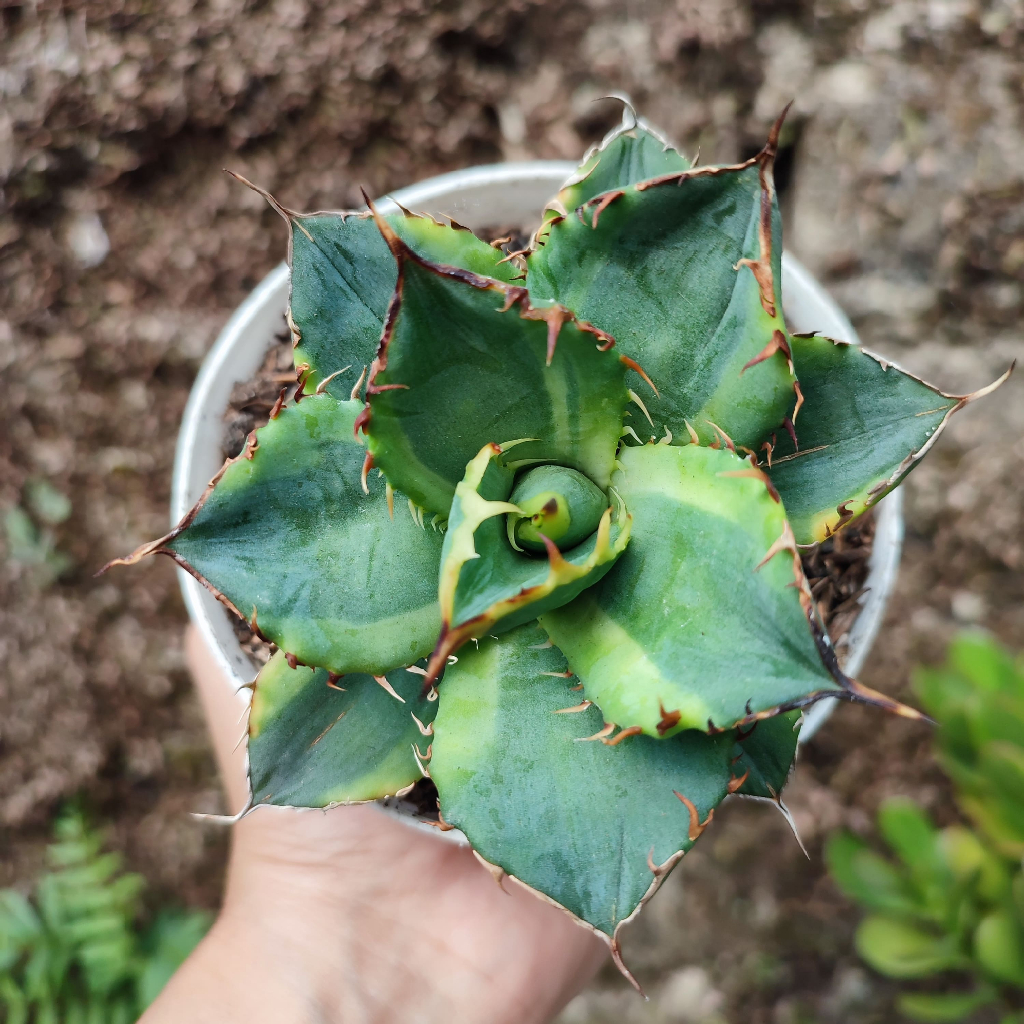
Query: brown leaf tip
x,y
288,215
777,343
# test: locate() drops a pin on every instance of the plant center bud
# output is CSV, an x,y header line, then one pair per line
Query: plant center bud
x,y
557,503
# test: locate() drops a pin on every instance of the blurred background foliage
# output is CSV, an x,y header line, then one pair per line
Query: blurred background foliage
x,y
75,951
951,901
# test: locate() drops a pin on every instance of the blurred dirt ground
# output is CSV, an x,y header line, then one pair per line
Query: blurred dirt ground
x,y
123,248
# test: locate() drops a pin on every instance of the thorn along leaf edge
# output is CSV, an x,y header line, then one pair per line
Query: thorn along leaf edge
x,y
453,367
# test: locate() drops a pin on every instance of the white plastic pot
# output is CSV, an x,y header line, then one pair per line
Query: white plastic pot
x,y
496,195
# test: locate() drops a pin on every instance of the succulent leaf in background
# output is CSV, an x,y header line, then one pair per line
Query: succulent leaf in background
x,y
952,900
550,557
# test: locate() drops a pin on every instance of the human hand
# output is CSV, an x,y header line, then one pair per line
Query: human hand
x,y
354,915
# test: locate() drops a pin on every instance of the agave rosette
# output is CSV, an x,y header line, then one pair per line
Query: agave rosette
x,y
550,557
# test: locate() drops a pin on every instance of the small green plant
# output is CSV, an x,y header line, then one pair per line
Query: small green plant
x,y
74,954
564,532
952,900
29,532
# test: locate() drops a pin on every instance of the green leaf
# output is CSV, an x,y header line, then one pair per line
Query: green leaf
x,y
631,153
14,1001
467,360
557,503
1002,763
900,950
911,835
485,584
686,632
121,893
49,504
122,1011
950,700
24,543
311,744
909,832
766,754
1017,897
862,428
34,547
999,718
288,537
105,926
343,277
670,268
970,861
19,923
106,961
47,1012
869,879
980,659
999,817
940,1007
999,947
574,819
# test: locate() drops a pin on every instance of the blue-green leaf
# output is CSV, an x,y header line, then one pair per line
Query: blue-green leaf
x,y
578,820
466,360
684,271
766,754
288,538
316,741
633,152
343,277
863,426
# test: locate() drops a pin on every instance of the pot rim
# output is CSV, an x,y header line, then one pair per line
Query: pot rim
x,y
513,191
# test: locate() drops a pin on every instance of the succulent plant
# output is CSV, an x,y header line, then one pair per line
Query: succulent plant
x,y
951,901
545,548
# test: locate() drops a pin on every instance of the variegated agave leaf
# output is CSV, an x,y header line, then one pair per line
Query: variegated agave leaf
x,y
863,426
465,359
711,539
317,740
684,270
287,538
487,583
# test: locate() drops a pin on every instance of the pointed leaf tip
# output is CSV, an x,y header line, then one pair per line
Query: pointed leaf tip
x,y
864,425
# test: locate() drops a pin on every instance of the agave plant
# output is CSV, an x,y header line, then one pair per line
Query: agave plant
x,y
548,553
